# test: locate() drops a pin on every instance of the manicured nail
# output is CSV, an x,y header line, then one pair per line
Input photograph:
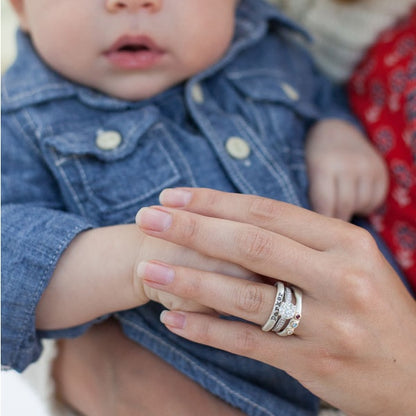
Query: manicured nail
x,y
176,198
173,319
156,272
153,219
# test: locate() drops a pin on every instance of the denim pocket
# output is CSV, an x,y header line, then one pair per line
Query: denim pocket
x,y
118,176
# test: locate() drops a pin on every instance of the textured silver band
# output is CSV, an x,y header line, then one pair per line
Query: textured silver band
x,y
271,321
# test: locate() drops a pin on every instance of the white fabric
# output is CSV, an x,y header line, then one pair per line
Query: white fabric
x,y
18,398
35,385
342,32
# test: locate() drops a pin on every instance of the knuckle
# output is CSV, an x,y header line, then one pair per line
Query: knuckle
x,y
254,245
191,288
325,363
249,298
360,293
263,209
365,243
357,288
190,228
204,332
212,198
358,239
246,341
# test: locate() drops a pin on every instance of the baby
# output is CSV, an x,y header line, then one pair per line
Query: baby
x,y
108,103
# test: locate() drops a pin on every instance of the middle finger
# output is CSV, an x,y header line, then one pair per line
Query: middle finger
x,y
256,249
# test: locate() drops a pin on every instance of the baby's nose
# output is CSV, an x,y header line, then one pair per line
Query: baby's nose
x,y
133,5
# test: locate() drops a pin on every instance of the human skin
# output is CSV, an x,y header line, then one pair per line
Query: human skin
x,y
98,269
77,39
356,342
103,373
347,175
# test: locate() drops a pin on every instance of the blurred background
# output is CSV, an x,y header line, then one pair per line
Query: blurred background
x,y
8,28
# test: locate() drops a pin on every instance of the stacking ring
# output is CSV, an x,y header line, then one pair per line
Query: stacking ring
x,y
274,315
285,315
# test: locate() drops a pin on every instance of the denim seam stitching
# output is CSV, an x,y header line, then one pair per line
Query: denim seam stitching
x,y
240,179
31,93
170,139
68,183
103,208
274,168
25,135
33,303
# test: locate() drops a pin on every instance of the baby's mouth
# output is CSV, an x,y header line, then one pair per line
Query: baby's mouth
x,y
134,44
133,48
134,52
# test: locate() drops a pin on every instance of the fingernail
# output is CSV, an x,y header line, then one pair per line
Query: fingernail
x,y
173,319
156,272
176,198
153,219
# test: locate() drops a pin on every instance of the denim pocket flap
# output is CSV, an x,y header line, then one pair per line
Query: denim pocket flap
x,y
116,137
273,86
120,172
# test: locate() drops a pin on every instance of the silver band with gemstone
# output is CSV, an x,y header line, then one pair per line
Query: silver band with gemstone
x,y
289,329
286,311
271,321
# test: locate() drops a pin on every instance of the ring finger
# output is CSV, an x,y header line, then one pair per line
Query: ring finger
x,y
252,301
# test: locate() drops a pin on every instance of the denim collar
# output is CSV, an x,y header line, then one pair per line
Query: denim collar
x,y
254,19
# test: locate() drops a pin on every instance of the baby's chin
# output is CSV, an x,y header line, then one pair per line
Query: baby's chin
x,y
137,91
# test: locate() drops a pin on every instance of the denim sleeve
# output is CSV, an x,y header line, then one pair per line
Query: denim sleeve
x,y
330,98
35,230
333,102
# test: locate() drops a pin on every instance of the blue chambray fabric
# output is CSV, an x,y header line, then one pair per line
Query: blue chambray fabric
x,y
56,182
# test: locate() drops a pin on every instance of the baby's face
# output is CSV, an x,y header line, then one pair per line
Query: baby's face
x,y
131,49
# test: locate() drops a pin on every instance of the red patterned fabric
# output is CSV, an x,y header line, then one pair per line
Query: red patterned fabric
x,y
383,95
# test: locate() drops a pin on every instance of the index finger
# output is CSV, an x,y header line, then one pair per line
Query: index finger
x,y
299,224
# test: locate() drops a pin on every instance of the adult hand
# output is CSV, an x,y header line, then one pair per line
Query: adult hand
x,y
347,174
356,343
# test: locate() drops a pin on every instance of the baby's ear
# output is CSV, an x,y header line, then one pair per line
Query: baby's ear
x,y
19,8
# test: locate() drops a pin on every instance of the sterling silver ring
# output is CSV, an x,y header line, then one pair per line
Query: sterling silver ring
x,y
293,323
274,315
286,314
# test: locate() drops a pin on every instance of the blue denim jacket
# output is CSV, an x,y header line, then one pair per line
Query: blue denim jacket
x,y
60,177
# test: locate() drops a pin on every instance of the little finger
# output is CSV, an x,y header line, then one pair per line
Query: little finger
x,y
236,337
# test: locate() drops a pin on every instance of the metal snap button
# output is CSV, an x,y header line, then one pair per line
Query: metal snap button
x,y
197,93
108,140
290,91
237,148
